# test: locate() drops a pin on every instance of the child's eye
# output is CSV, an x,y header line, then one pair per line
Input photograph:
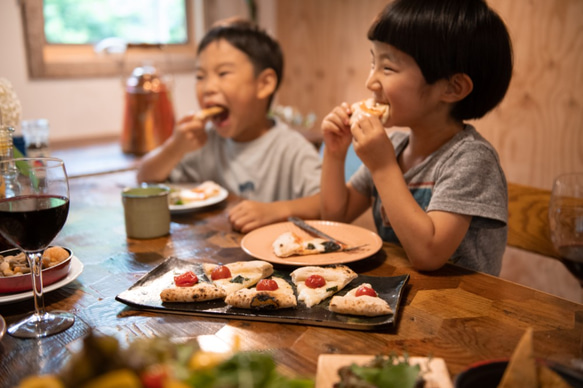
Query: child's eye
x,y
224,73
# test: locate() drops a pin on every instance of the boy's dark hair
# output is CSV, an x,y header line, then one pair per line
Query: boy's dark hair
x,y
263,51
449,37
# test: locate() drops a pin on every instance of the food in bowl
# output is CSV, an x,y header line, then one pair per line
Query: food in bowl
x,y
15,271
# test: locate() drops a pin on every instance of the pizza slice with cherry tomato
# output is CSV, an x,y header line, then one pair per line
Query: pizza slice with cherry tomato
x,y
314,284
188,288
361,300
269,294
235,276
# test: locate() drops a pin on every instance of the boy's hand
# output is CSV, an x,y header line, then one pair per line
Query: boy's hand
x,y
248,215
190,134
336,130
371,143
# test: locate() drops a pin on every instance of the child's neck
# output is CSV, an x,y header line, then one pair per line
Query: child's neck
x,y
425,141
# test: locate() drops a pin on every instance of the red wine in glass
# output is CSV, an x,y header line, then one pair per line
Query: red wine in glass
x,y
31,214
32,222
572,258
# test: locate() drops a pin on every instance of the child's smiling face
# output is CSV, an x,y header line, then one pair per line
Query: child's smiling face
x,y
396,79
225,77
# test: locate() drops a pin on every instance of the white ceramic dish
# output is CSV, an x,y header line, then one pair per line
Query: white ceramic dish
x,y
195,205
74,272
2,327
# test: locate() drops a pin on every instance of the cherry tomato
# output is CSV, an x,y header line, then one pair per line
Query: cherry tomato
x,y
364,290
187,279
267,285
221,272
154,376
315,281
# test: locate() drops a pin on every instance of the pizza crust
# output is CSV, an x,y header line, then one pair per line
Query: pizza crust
x,y
244,274
336,276
250,298
369,107
370,306
199,292
290,244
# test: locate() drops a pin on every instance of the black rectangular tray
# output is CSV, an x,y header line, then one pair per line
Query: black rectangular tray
x,y
145,294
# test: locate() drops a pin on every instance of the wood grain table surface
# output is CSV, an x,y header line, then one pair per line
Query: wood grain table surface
x,y
459,315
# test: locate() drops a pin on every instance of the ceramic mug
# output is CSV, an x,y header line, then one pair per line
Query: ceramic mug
x,y
146,211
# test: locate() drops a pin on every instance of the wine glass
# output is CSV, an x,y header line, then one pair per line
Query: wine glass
x,y
566,225
31,214
566,221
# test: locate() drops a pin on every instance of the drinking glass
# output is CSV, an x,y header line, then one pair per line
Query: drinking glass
x,y
566,221
566,225
31,215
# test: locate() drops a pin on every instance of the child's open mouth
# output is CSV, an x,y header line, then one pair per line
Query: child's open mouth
x,y
220,117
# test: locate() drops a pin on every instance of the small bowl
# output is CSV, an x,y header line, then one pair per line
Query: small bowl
x,y
488,374
20,283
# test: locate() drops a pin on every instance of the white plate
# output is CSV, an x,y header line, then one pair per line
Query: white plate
x,y
435,369
191,206
2,327
258,243
74,272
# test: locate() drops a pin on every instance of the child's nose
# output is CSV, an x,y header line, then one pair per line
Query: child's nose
x,y
372,82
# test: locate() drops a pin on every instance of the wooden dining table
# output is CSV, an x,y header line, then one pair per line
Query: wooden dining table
x,y
456,314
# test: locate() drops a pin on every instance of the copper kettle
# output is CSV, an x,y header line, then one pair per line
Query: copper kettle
x,y
149,115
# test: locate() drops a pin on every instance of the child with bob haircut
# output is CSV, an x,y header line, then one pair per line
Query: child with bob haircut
x,y
437,189
239,68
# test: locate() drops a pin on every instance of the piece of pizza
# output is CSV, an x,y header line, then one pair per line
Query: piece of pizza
x,y
188,288
270,294
361,300
370,107
290,244
315,284
235,276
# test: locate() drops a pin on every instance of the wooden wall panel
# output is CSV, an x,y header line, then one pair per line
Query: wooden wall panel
x,y
538,129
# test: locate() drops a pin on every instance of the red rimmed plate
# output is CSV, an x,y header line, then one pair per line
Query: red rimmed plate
x,y
20,283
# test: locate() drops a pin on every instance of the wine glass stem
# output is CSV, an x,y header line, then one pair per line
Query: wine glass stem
x,y
34,260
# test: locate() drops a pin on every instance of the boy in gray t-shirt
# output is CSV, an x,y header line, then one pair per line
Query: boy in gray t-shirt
x,y
272,167
439,189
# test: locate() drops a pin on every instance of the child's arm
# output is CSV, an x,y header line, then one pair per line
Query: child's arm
x,y
338,201
429,239
189,135
249,215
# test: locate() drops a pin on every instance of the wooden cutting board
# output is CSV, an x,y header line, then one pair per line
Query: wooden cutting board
x,y
437,375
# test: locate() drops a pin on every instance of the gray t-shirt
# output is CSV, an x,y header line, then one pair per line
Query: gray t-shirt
x,y
279,165
465,177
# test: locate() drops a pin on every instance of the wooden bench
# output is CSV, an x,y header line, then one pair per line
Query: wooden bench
x,y
528,222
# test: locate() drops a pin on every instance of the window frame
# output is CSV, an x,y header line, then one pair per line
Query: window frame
x,y
80,61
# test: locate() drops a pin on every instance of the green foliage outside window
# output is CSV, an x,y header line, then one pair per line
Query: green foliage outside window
x,y
135,21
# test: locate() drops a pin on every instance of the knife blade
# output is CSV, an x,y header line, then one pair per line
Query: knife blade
x,y
313,231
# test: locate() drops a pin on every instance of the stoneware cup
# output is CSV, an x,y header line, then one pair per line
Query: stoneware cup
x,y
146,211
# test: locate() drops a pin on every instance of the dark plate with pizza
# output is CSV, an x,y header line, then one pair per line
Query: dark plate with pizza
x,y
145,294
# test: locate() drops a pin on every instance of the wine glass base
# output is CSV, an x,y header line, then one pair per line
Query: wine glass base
x,y
43,325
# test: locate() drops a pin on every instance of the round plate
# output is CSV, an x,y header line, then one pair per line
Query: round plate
x,y
195,205
258,243
74,272
488,374
2,327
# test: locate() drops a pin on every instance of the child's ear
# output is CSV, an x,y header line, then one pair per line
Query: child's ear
x,y
458,87
266,83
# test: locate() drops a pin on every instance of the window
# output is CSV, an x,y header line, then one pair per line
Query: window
x,y
64,46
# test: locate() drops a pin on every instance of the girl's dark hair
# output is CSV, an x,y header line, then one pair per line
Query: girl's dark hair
x,y
449,37
263,51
